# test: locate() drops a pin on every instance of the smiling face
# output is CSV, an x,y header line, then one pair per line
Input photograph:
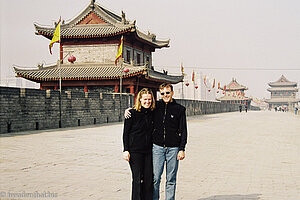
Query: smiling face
x,y
166,94
146,100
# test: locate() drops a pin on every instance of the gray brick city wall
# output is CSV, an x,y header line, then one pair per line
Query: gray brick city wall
x,y
195,107
33,109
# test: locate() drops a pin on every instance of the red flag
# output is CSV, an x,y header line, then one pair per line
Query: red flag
x,y
193,77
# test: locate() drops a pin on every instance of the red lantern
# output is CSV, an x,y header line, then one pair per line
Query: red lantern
x,y
187,84
72,59
126,70
223,92
218,91
196,86
208,90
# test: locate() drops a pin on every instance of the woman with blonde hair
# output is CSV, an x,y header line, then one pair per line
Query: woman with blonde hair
x,y
137,141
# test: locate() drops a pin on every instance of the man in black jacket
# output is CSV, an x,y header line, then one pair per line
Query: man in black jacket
x,y
169,140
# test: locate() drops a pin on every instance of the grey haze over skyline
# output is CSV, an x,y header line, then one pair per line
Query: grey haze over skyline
x,y
254,41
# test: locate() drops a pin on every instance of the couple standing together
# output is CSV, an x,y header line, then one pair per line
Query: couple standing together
x,y
154,134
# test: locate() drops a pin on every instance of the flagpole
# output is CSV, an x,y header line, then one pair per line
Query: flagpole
x,y
202,87
182,90
182,73
59,67
121,93
193,79
121,78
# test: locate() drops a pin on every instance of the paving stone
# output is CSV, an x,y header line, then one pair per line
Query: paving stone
x,y
229,156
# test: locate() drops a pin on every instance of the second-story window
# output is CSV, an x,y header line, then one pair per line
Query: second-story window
x,y
128,56
138,58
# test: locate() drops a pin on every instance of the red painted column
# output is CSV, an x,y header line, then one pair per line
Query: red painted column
x,y
61,53
85,88
116,88
132,89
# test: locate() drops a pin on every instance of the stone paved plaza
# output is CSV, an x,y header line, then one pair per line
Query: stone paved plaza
x,y
229,156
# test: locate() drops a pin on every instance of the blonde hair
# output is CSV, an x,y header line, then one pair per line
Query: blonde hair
x,y
138,106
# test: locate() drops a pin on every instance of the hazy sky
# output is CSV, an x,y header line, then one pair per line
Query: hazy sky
x,y
254,41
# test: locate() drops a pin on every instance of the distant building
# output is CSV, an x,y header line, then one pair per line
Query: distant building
x,y
93,38
260,103
235,93
283,93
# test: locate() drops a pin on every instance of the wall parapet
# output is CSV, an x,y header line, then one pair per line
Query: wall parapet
x,y
34,109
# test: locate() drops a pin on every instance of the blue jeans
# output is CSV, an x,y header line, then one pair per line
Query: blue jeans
x,y
162,155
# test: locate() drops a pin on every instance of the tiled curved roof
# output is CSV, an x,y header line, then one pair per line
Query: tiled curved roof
x,y
92,71
282,81
283,89
282,100
161,77
79,72
152,39
85,31
113,25
234,85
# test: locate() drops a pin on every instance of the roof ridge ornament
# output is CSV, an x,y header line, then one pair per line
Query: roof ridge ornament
x,y
124,18
92,4
152,36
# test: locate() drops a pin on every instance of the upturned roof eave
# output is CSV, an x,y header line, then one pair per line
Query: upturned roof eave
x,y
151,40
161,77
48,32
278,84
282,100
37,74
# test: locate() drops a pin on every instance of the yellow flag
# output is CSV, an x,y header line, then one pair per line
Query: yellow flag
x,y
120,51
56,36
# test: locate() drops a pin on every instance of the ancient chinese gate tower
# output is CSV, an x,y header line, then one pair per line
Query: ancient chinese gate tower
x,y
93,38
283,93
